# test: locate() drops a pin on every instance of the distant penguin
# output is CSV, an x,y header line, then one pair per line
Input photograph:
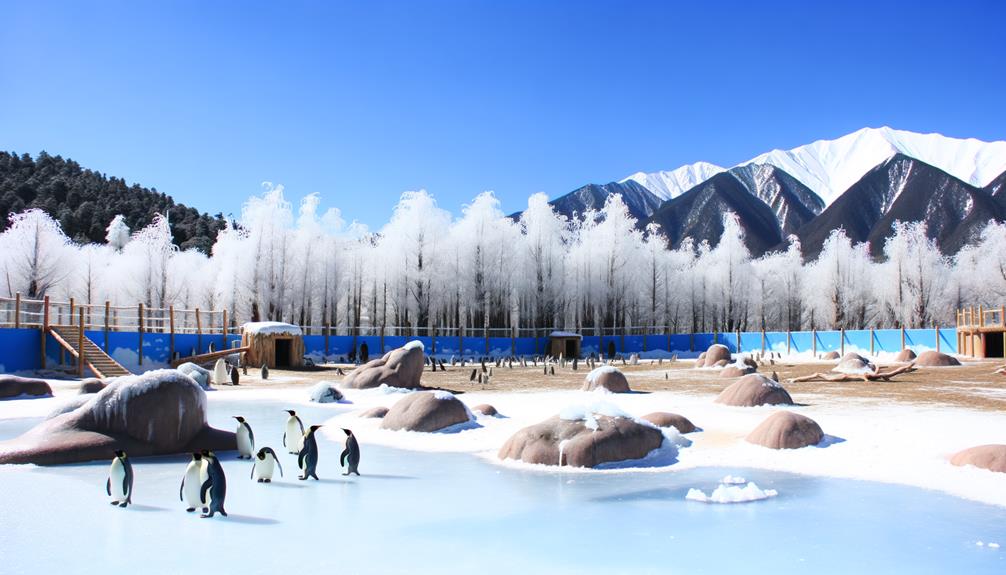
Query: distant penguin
x,y
265,465
120,480
214,490
293,437
545,369
351,454
235,377
552,369
220,373
192,483
775,376
308,458
265,371
474,373
246,439
244,368
575,362
340,372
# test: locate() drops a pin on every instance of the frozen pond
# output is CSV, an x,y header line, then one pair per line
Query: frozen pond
x,y
458,513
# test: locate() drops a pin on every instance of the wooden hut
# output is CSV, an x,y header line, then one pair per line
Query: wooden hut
x,y
564,343
981,332
273,343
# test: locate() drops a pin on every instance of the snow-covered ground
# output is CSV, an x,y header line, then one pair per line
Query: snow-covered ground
x,y
443,502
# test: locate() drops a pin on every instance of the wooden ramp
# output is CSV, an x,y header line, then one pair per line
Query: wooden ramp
x,y
94,357
203,357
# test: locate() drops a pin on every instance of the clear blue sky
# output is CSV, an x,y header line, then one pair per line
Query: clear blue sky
x,y
362,100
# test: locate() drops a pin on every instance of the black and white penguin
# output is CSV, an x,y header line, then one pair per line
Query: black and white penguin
x,y
214,490
293,437
265,465
351,454
246,439
472,377
120,480
308,458
265,371
235,376
192,483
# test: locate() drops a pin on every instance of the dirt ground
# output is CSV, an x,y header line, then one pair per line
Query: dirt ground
x,y
972,385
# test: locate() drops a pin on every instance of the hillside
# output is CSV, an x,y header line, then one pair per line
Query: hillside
x,y
85,201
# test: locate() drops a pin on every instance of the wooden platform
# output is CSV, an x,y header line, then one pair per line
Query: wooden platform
x,y
203,357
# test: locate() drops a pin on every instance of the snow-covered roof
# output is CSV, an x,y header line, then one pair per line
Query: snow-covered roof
x,y
271,328
564,334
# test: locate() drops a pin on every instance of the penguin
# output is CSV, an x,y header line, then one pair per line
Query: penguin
x,y
472,377
246,439
552,369
266,463
340,372
545,370
575,362
351,454
212,348
214,490
220,372
244,368
308,458
192,483
235,377
265,371
293,437
120,480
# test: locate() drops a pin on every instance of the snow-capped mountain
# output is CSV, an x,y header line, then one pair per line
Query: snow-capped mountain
x,y
830,167
669,185
640,202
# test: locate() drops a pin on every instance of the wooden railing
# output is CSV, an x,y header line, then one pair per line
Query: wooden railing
x,y
981,318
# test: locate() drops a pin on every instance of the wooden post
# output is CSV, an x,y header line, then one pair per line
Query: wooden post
x,y
71,311
461,341
621,341
981,317
107,305
433,341
382,339
902,337
739,350
716,337
763,341
644,340
872,337
843,341
936,330
223,344
171,332
513,340
45,326
80,345
199,332
485,334
813,341
328,330
139,323
789,341
691,342
17,310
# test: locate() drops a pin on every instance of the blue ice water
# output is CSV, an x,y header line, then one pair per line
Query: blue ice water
x,y
456,513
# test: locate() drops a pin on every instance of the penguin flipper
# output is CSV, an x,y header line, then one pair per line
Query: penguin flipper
x,y
252,474
181,489
300,458
301,424
204,489
284,439
108,486
251,436
342,458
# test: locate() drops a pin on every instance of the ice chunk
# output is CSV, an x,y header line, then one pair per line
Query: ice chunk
x,y
731,494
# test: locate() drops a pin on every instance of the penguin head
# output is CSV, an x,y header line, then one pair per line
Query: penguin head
x,y
205,453
314,428
120,454
196,456
291,412
347,431
239,418
261,454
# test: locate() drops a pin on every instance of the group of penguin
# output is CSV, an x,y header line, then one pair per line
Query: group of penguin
x,y
204,484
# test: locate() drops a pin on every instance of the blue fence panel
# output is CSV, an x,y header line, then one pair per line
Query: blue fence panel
x,y
888,340
314,344
525,346
829,341
775,341
801,341
590,344
20,350
340,346
948,340
858,340
633,344
922,338
681,342
702,341
500,346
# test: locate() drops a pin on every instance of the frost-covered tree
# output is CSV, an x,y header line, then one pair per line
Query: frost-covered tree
x,y
36,255
118,233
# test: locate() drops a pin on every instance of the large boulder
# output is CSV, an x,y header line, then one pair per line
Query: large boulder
x,y
665,419
486,409
786,430
402,367
426,411
752,390
374,413
325,392
904,356
199,374
713,356
936,359
991,457
606,377
91,385
14,386
737,370
830,356
159,412
854,364
585,442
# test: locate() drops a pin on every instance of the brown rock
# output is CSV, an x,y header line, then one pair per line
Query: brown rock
x,y
734,370
402,367
615,439
853,363
426,411
485,409
665,419
374,413
752,390
750,362
13,386
91,385
786,430
991,457
831,355
904,356
936,359
606,377
159,412
717,353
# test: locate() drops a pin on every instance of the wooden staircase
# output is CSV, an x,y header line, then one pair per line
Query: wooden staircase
x,y
95,358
